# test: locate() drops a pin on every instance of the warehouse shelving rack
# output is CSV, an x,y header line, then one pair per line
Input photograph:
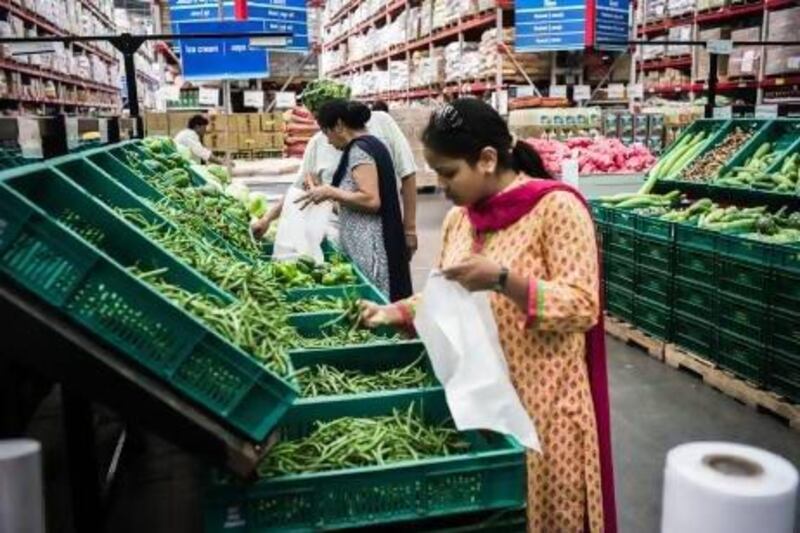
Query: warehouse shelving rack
x,y
755,89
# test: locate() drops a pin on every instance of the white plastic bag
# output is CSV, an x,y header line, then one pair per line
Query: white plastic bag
x,y
461,338
300,232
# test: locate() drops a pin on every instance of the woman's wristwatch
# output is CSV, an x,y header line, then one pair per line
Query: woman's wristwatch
x,y
502,279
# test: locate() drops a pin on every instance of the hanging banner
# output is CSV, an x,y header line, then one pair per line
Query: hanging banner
x,y
612,21
279,16
542,25
222,58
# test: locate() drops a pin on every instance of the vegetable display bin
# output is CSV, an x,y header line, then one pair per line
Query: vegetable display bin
x,y
317,325
713,130
366,360
619,271
694,299
695,334
59,267
783,374
362,292
122,173
745,250
785,291
782,134
103,229
619,301
490,475
694,238
622,218
652,317
742,356
753,126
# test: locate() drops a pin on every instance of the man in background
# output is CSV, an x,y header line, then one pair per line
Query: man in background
x,y
191,138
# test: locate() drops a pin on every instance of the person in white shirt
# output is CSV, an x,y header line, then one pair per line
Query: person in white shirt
x,y
320,160
191,138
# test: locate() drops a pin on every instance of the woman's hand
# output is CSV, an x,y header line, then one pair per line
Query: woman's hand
x,y
477,273
374,315
317,195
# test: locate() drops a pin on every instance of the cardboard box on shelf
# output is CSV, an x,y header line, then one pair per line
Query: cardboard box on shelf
x,y
782,27
702,55
178,120
745,61
156,122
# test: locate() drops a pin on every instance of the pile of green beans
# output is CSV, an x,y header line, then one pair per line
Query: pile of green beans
x,y
357,442
345,330
245,323
319,303
90,233
243,280
326,380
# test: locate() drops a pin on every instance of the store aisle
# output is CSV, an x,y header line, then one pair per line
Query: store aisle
x,y
654,407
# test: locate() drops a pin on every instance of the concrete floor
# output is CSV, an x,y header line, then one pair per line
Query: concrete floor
x,y
653,408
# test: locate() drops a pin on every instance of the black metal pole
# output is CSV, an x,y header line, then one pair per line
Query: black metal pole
x,y
84,480
130,82
711,95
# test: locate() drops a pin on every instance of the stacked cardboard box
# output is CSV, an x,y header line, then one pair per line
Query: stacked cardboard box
x,y
745,61
702,56
236,132
783,59
412,121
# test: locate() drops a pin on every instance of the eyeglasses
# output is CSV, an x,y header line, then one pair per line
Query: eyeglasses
x,y
448,117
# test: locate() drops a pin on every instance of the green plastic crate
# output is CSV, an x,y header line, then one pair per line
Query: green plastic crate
x,y
695,334
653,317
745,250
121,241
695,300
337,291
654,285
622,218
114,194
600,213
367,360
742,356
743,316
620,241
784,333
783,374
780,133
313,326
619,271
124,175
694,238
738,277
785,291
750,125
654,254
696,266
713,128
491,475
655,228
786,259
60,268
619,301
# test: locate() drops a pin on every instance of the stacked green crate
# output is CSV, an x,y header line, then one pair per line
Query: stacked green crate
x,y
618,253
654,279
695,304
783,339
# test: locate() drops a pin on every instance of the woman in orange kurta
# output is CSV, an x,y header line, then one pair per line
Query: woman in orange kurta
x,y
532,242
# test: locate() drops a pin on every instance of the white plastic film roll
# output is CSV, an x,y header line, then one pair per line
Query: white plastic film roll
x,y
21,492
720,487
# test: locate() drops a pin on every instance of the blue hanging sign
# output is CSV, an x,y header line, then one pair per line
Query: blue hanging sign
x,y
222,58
550,25
612,21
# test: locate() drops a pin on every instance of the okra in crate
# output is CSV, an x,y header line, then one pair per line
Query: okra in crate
x,y
64,270
378,481
363,370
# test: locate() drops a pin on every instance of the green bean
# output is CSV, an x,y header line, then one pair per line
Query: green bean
x,y
326,380
351,442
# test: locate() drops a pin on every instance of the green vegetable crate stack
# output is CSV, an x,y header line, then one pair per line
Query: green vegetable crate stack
x,y
118,239
711,246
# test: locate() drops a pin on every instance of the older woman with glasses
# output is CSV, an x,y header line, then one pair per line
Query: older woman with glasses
x,y
531,241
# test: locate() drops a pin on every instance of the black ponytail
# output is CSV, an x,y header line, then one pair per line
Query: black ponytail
x,y
525,159
463,128
354,115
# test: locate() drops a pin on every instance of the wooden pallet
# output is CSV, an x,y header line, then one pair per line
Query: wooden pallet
x,y
630,334
732,386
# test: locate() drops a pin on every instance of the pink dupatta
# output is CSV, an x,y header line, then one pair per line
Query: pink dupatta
x,y
499,212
